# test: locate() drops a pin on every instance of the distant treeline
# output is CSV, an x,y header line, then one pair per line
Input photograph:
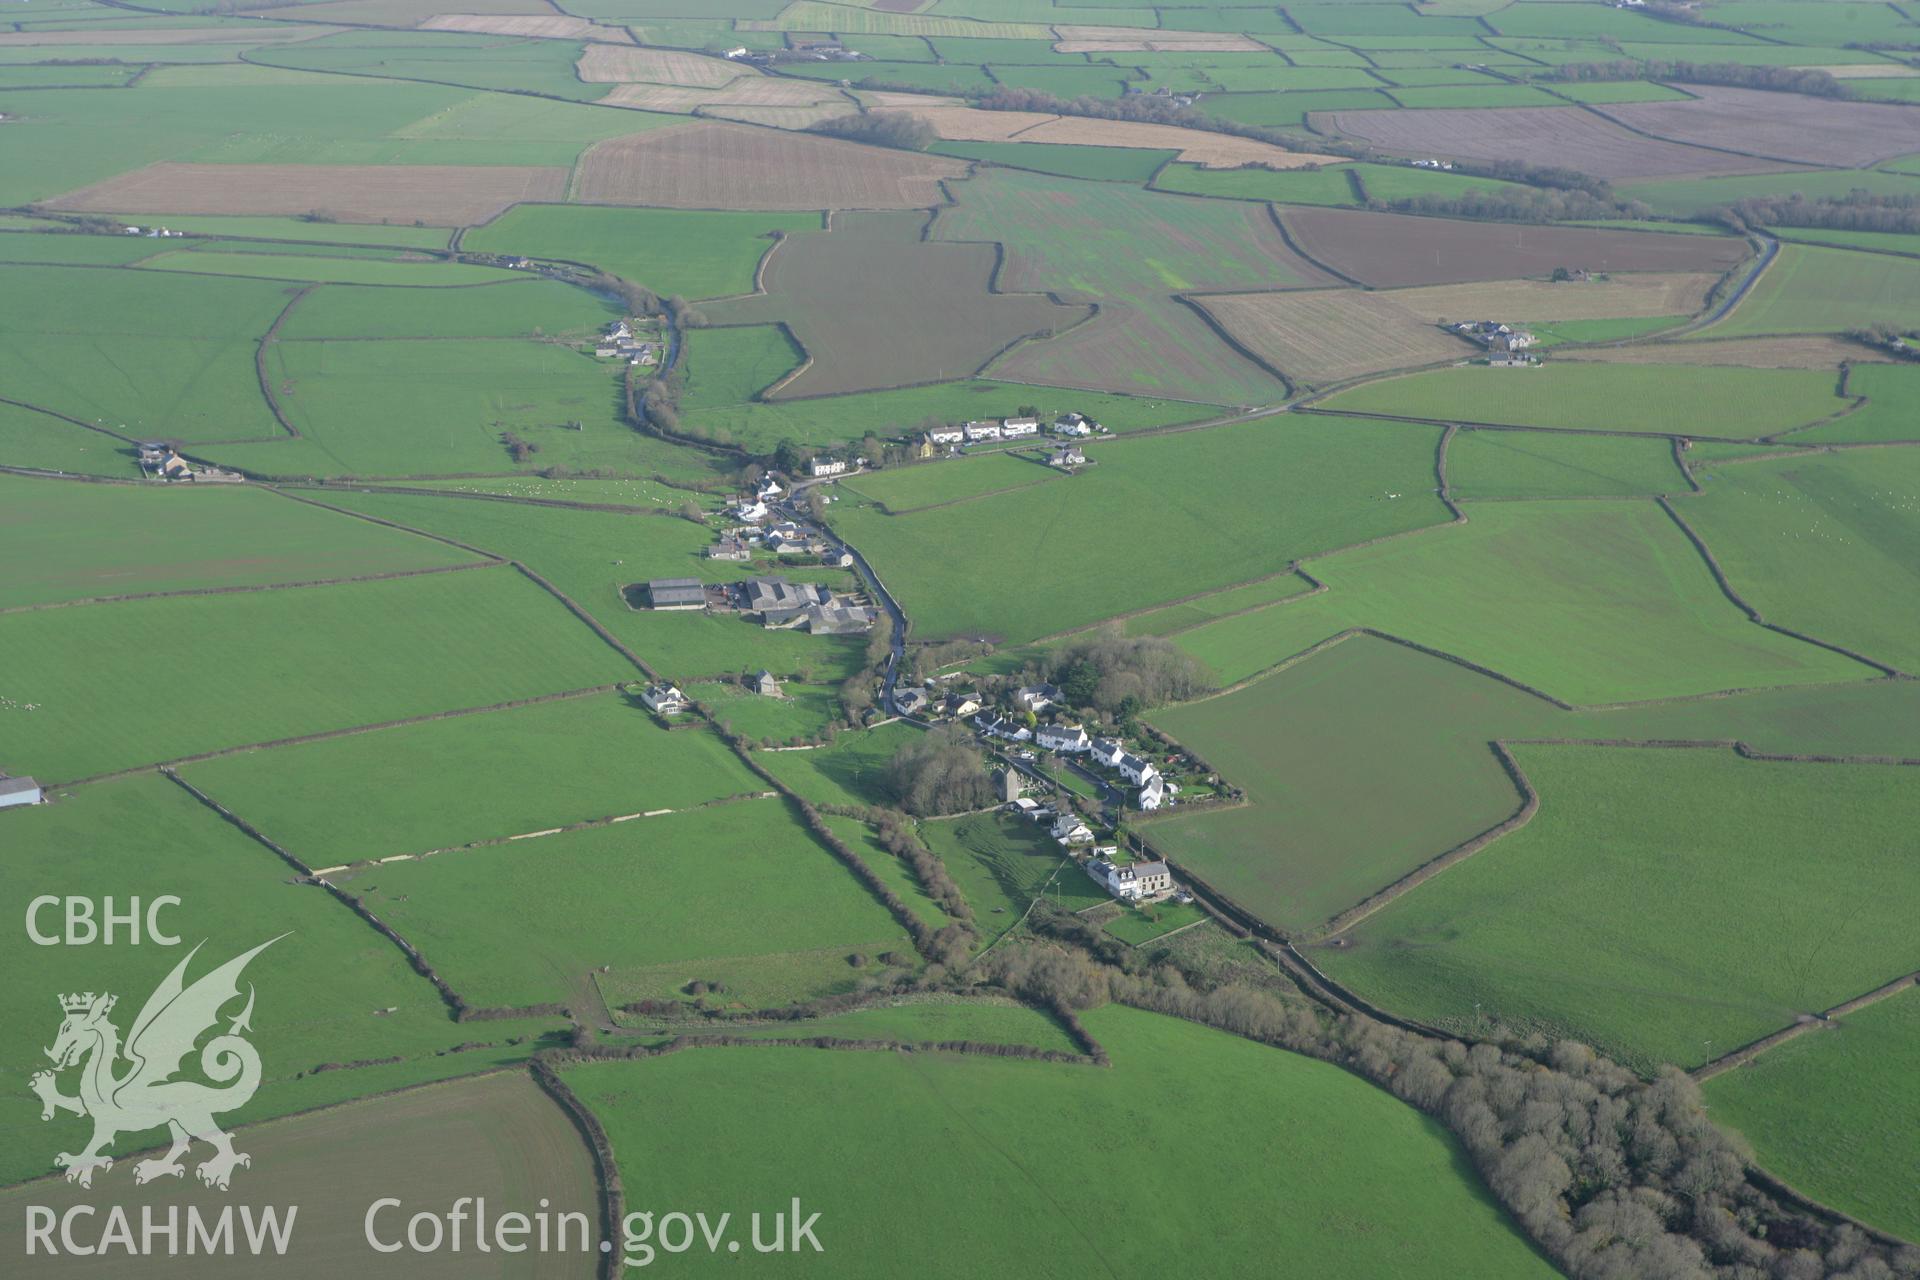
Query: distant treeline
x,y
1818,84
894,129
1858,210
1532,205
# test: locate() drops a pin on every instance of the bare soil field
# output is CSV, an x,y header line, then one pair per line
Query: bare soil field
x,y
546,27
1387,250
1790,126
857,299
1318,337
795,118
1141,40
445,195
1671,293
1747,353
1196,146
1867,71
606,64
744,92
1571,136
262,34
728,166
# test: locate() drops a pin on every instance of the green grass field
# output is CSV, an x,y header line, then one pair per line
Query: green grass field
x,y
1359,764
852,771
1740,404
908,489
1002,862
111,686
479,61
1812,290
524,308
699,254
925,1020
1261,1136
1328,185
832,419
1892,411
77,541
50,247
325,269
1218,604
733,365
1888,241
1830,1112
146,837
1541,464
151,354
42,441
593,555
1683,197
484,777
1224,505
1779,889
1828,546
419,408
663,901
801,712
894,873
1591,602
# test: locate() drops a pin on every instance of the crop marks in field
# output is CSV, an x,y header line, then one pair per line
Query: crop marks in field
x,y
724,166
1329,335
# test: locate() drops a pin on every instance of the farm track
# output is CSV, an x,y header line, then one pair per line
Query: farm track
x,y
1822,1021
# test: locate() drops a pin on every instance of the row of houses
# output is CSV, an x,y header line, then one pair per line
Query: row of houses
x,y
1494,335
1152,790
984,431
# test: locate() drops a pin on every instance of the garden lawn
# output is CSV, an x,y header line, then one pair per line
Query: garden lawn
x,y
672,899
111,686
1360,764
1541,464
694,253
1210,508
1813,290
1739,404
1260,1136
448,782
1832,1113
145,837
76,541
1827,545
852,771
146,354
1662,905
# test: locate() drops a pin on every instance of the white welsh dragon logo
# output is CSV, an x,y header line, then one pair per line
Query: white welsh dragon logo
x,y
145,1095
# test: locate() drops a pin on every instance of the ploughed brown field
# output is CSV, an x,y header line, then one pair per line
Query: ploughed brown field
x,y
605,64
875,306
1666,293
1789,126
1562,136
729,166
444,195
1321,336
1386,250
550,26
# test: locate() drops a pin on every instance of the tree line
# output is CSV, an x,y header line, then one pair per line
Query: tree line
x,y
1739,75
